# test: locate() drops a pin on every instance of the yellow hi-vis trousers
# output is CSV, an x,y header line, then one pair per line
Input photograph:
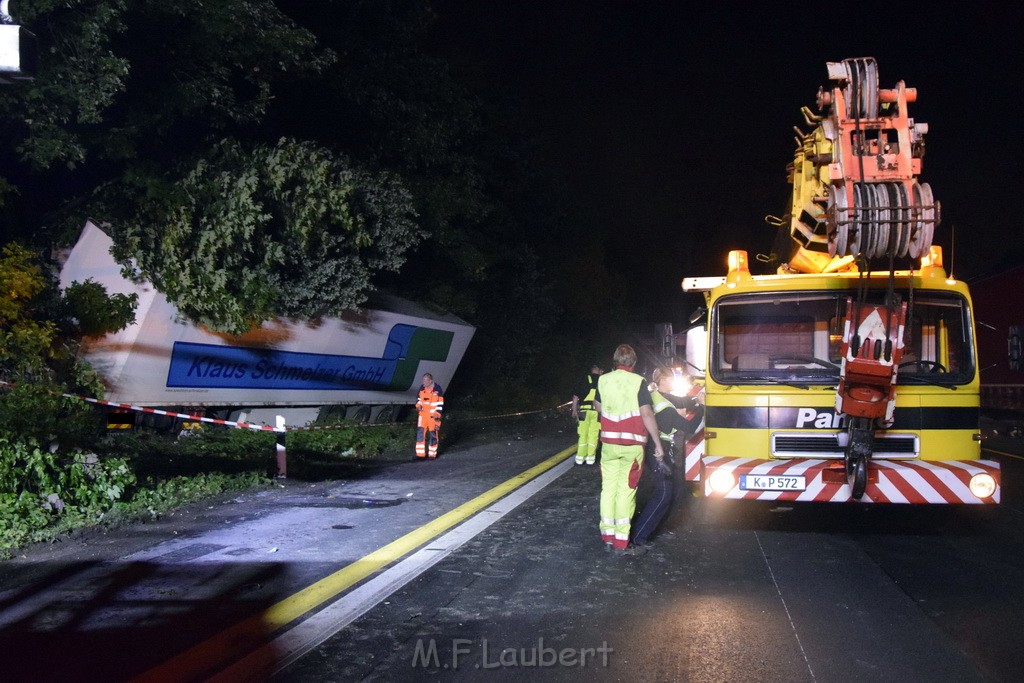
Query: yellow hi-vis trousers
x,y
620,475
588,430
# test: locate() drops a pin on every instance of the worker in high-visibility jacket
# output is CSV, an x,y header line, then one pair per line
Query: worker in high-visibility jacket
x,y
429,404
677,418
627,420
587,424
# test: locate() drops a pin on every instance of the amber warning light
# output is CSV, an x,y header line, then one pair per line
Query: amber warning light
x,y
738,269
931,263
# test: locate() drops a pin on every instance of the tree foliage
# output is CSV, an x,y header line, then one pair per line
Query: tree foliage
x,y
39,325
79,78
133,81
289,229
26,341
174,158
39,331
88,311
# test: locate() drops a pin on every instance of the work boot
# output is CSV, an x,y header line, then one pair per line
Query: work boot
x,y
590,461
635,550
579,460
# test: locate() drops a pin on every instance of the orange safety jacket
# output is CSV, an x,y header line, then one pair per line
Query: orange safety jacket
x,y
429,405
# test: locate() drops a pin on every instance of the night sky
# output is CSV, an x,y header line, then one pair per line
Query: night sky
x,y
672,125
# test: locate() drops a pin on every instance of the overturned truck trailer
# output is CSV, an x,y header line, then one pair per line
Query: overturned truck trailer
x,y
364,365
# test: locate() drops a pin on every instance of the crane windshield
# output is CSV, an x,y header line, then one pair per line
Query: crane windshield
x,y
796,337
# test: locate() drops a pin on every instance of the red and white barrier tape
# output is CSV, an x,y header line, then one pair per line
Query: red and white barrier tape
x,y
155,411
266,428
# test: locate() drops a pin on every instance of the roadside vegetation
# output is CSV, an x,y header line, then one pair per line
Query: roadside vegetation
x,y
141,475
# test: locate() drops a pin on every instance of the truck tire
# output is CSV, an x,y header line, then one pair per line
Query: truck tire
x,y
360,414
386,414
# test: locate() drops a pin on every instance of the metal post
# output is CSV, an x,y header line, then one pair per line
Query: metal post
x,y
282,453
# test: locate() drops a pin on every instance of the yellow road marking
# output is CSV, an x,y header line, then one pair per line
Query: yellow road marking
x,y
206,657
1009,455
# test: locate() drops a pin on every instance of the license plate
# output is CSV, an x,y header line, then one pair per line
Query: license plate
x,y
773,482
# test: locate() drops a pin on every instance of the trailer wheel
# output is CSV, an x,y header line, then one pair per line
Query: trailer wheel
x,y
331,414
361,414
386,415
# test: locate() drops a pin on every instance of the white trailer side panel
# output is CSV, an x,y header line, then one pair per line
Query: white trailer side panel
x,y
369,357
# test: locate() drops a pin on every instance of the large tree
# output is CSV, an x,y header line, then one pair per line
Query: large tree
x,y
290,229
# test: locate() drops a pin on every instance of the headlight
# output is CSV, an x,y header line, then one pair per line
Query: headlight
x,y
680,386
721,481
983,485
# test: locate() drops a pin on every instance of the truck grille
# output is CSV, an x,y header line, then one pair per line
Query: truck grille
x,y
803,445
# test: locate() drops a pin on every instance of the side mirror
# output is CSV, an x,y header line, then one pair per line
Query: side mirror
x,y
697,351
698,315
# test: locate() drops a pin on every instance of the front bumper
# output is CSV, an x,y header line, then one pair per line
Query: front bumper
x,y
889,481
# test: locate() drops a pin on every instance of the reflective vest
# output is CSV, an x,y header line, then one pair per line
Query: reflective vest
x,y
661,403
588,401
621,423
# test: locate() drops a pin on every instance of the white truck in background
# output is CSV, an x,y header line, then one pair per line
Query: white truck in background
x,y
364,365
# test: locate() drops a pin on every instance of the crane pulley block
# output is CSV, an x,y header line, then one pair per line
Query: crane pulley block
x,y
872,351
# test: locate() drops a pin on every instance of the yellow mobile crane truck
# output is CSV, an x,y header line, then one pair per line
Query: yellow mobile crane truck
x,y
841,377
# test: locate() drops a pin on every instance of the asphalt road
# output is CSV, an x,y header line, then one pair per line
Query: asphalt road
x,y
737,592
734,592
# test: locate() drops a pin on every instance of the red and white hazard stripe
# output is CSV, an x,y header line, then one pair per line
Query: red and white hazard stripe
x,y
695,444
694,453
913,482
